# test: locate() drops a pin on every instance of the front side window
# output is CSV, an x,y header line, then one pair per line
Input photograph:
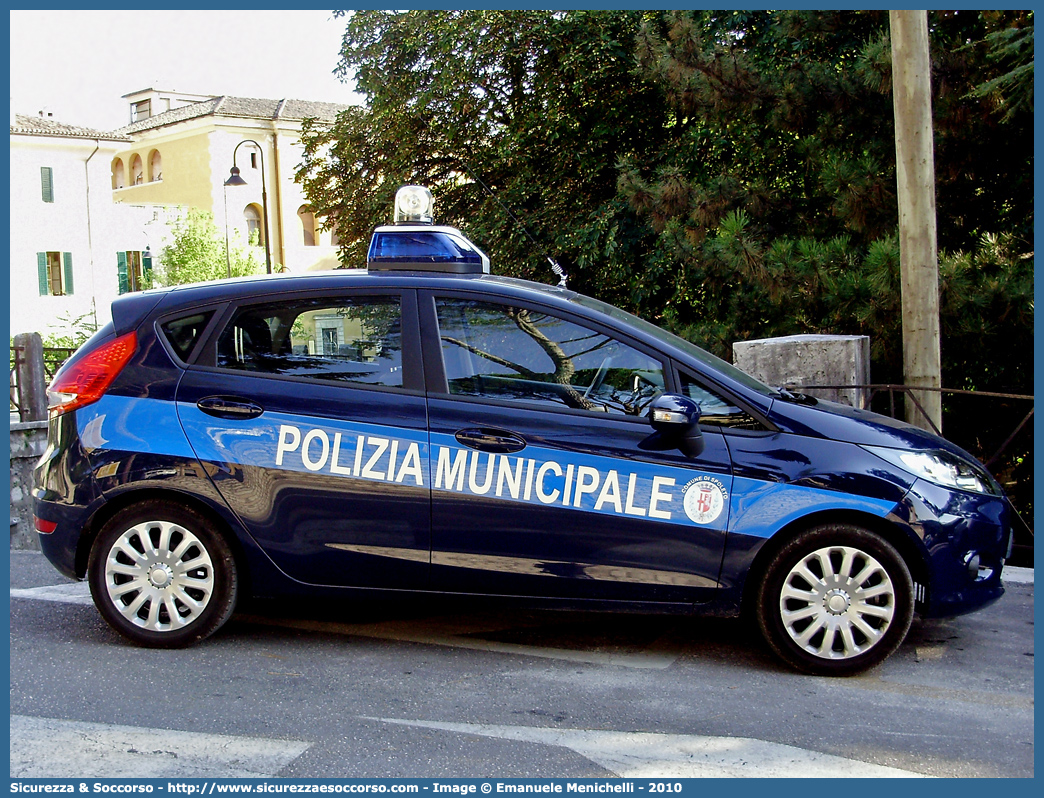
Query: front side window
x,y
670,339
518,354
356,340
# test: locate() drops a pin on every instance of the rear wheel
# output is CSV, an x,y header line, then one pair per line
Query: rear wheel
x,y
161,575
835,601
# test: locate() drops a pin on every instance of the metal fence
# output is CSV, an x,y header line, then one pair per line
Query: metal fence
x,y
53,359
17,358
909,393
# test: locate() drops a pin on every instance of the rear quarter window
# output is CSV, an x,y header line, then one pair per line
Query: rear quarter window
x,y
183,334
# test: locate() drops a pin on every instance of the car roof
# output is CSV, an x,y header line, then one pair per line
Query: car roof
x,y
130,310
277,285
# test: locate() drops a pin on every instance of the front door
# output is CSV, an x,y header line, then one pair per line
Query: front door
x,y
540,482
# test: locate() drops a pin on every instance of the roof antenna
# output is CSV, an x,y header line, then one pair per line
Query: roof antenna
x,y
562,276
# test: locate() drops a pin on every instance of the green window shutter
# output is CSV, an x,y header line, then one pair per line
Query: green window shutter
x,y
67,263
47,183
121,270
41,270
146,270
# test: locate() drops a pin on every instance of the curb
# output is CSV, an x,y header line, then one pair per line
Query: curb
x,y
1016,575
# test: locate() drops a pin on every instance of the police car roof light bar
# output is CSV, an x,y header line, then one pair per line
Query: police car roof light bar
x,y
414,244
414,205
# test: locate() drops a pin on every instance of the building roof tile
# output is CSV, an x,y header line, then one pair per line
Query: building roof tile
x,y
44,126
241,107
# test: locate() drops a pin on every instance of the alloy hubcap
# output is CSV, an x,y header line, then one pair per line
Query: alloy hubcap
x,y
837,602
159,576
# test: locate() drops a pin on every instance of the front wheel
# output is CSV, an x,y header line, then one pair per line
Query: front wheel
x,y
161,575
835,601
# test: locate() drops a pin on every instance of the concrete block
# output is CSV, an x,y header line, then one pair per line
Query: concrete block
x,y
810,360
28,441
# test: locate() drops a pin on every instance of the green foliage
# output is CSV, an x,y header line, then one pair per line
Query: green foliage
x,y
196,253
773,192
74,330
727,174
1010,47
534,106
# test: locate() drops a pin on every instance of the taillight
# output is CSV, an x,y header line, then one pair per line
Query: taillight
x,y
87,378
44,527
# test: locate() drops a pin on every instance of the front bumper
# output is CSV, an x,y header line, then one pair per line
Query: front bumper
x,y
966,538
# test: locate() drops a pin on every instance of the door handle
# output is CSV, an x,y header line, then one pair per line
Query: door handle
x,y
497,441
231,407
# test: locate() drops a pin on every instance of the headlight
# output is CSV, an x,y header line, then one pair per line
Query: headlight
x,y
939,467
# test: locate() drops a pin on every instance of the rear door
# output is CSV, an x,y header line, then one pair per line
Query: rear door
x,y
309,414
543,482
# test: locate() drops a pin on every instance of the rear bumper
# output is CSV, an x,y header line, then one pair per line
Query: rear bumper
x,y
62,546
65,493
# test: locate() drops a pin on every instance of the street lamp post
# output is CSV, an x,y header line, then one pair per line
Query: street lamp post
x,y
228,257
235,180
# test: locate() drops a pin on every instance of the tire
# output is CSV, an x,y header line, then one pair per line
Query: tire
x,y
835,601
162,575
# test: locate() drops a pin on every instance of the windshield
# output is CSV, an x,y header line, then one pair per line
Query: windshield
x,y
689,348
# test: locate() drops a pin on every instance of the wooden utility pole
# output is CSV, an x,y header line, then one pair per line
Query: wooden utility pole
x,y
915,172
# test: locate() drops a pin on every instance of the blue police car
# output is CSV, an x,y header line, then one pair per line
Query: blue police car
x,y
424,426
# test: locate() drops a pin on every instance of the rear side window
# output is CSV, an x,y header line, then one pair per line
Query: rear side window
x,y
184,334
357,340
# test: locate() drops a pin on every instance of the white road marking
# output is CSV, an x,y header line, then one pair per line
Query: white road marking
x,y
60,749
66,593
648,755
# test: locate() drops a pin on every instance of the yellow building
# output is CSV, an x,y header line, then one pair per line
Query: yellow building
x,y
182,153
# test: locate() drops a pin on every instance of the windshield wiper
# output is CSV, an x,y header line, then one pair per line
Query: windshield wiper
x,y
797,398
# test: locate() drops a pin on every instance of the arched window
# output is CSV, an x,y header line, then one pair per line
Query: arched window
x,y
329,225
119,176
137,173
304,213
155,166
252,217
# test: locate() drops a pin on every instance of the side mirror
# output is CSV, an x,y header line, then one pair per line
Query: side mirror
x,y
676,421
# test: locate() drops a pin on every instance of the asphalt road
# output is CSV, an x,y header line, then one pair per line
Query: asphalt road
x,y
468,690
